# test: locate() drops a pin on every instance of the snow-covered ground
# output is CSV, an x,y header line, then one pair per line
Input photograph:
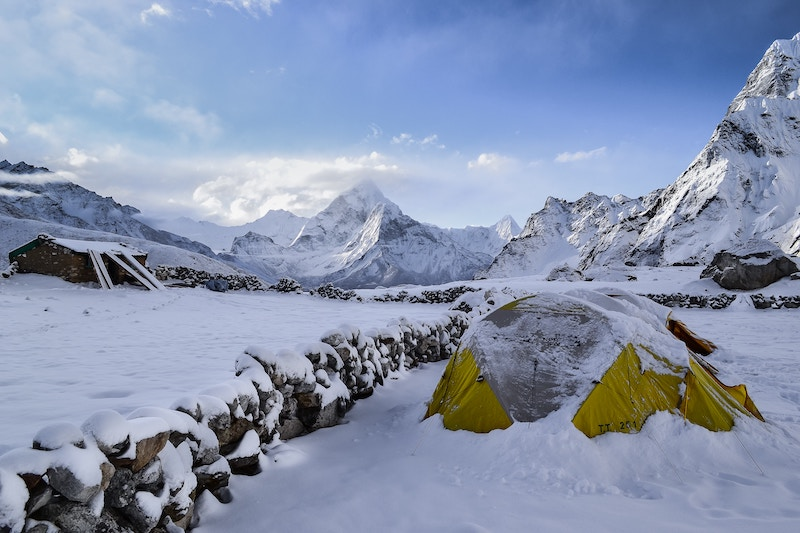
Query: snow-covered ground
x,y
68,351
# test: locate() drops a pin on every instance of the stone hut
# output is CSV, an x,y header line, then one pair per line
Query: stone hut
x,y
76,261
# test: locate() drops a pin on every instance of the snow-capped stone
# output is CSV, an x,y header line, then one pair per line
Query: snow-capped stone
x,y
79,474
57,435
148,437
110,431
751,265
13,498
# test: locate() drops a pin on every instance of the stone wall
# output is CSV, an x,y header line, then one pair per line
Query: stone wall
x,y
55,260
144,472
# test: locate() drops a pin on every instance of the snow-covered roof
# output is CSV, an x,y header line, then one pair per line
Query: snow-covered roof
x,y
99,246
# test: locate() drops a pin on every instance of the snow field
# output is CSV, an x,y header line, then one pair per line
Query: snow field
x,y
71,351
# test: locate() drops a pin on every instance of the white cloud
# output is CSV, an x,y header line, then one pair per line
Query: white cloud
x,y
252,7
79,158
406,139
43,131
107,98
3,138
249,188
491,161
155,10
375,131
187,120
571,157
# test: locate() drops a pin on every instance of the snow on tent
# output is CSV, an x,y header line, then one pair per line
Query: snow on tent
x,y
610,356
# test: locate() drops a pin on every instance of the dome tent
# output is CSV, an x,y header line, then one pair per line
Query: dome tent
x,y
613,351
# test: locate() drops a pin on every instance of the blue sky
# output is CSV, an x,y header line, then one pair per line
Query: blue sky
x,y
460,111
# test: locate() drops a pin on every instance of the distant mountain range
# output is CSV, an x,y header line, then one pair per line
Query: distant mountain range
x,y
745,183
364,240
360,240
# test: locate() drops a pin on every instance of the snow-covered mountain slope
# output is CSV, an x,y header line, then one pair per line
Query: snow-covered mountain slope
x,y
744,184
45,197
487,240
279,225
561,232
364,240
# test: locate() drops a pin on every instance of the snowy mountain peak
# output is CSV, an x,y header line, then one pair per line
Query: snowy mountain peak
x,y
775,76
21,168
506,228
362,239
364,193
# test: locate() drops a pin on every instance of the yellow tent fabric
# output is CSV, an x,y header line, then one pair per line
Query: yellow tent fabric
x,y
465,399
626,396
524,360
710,403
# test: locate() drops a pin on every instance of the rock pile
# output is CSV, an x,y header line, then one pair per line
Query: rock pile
x,y
193,278
144,472
437,296
775,302
714,301
329,290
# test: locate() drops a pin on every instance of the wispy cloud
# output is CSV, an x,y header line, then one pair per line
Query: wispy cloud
x,y
3,138
251,7
491,161
186,119
375,131
78,158
155,10
107,98
407,139
571,157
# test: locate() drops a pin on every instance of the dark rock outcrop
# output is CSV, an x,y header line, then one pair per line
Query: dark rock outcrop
x,y
752,265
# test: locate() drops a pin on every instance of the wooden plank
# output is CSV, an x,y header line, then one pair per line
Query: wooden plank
x,y
143,270
103,277
133,272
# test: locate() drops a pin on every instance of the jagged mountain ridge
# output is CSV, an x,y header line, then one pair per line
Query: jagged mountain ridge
x,y
745,183
364,240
